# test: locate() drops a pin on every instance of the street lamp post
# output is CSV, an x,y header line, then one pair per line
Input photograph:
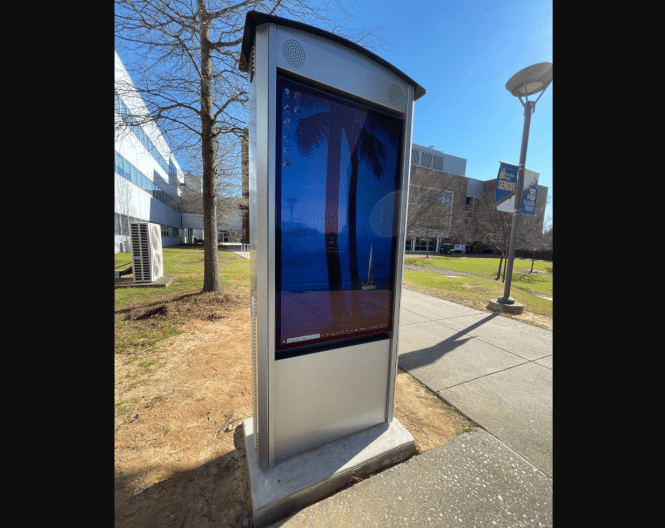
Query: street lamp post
x,y
528,81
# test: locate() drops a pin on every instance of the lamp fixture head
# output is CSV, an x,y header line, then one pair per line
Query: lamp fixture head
x,y
530,80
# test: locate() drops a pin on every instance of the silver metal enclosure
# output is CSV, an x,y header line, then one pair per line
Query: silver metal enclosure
x,y
304,401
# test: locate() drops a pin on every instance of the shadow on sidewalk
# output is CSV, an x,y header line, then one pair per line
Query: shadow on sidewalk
x,y
425,356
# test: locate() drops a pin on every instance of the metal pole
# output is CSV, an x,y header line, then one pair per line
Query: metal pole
x,y
529,107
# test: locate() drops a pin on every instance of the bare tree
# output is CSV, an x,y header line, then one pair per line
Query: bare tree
x,y
464,226
529,236
436,204
548,238
548,227
494,225
429,213
184,64
531,230
228,195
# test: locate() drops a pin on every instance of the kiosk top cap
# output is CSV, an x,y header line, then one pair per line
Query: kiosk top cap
x,y
254,18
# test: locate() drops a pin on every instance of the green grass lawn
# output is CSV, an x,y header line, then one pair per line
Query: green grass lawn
x,y
477,266
476,290
135,341
186,262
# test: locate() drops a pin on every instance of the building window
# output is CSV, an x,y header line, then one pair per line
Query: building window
x,y
426,159
132,174
173,174
472,204
421,245
124,114
437,163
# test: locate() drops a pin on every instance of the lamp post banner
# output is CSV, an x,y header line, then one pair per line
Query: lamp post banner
x,y
529,195
506,183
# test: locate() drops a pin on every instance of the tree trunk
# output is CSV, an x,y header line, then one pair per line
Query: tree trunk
x,y
356,307
353,242
339,311
332,207
211,281
533,257
498,272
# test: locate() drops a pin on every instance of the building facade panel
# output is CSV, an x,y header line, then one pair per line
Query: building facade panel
x,y
430,158
461,224
148,178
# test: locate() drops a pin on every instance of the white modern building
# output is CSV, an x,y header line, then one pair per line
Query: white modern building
x,y
149,182
148,178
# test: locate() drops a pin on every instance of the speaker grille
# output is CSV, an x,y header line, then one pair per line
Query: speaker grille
x,y
395,94
294,53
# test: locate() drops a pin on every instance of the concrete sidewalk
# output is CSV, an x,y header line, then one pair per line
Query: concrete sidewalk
x,y
495,370
498,372
235,247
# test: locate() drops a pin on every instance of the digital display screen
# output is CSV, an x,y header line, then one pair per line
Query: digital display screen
x,y
337,196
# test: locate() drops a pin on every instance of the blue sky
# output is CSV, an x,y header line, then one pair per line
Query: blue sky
x,y
463,52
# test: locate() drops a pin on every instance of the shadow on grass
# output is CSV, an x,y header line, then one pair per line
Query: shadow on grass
x,y
528,279
217,492
159,301
220,246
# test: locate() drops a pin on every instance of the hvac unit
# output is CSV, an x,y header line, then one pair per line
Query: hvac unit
x,y
146,251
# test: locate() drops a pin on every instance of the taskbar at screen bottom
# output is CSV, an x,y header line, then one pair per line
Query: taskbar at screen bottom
x,y
314,317
329,344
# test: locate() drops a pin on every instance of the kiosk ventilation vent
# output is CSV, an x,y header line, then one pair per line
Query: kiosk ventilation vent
x,y
395,94
294,53
255,378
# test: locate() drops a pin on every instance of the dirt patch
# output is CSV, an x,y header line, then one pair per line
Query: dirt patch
x,y
542,321
178,308
174,464
430,420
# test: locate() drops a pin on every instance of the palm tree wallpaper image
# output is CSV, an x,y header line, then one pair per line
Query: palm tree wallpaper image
x,y
337,205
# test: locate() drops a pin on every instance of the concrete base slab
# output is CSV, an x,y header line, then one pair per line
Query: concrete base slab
x,y
515,308
315,474
128,282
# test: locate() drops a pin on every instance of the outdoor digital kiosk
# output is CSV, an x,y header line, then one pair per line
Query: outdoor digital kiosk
x,y
329,157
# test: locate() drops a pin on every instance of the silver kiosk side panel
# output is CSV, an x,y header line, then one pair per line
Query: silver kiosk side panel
x,y
306,399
